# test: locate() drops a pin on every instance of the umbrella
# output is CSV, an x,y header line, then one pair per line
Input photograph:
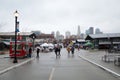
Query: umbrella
x,y
44,45
51,45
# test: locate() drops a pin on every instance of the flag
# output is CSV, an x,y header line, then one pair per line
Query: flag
x,y
17,30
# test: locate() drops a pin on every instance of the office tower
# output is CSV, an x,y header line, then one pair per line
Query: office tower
x,y
78,32
67,34
57,35
91,30
97,31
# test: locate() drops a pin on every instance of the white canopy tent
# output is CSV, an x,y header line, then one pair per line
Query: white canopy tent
x,y
44,45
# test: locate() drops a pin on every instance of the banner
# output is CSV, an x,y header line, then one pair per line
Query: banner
x,y
17,30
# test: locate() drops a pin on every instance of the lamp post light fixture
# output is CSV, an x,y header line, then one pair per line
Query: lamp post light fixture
x,y
16,16
33,36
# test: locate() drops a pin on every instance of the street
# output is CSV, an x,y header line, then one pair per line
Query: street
x,y
65,67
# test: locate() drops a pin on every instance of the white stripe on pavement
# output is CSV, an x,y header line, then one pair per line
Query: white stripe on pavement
x,y
110,71
51,74
17,65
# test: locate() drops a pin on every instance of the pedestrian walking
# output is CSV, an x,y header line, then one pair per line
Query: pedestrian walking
x,y
38,51
30,52
57,50
68,49
72,49
78,47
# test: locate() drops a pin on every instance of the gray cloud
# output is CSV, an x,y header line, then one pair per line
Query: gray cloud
x,y
62,15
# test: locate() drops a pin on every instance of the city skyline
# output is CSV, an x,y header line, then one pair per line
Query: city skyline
x,y
78,31
61,15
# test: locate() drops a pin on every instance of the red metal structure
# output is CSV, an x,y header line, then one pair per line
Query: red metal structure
x,y
22,49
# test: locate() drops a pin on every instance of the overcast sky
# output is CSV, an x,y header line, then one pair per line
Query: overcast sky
x,y
61,15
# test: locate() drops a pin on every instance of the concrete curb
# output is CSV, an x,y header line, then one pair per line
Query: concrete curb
x,y
102,67
15,66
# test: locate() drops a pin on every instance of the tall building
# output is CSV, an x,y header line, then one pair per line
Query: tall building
x,y
67,34
91,30
87,32
97,31
78,32
82,36
57,35
53,33
61,38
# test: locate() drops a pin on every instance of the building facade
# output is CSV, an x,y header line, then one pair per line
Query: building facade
x,y
11,35
105,41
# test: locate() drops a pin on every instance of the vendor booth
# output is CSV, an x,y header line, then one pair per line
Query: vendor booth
x,y
22,49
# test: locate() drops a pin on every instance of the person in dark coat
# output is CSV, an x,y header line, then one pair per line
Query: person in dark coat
x,y
30,52
72,49
38,51
57,50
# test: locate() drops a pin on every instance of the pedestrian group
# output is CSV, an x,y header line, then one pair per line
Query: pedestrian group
x,y
57,50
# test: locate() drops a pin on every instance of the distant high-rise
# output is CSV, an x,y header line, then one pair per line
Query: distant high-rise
x,y
87,32
78,32
53,33
67,34
91,30
82,36
97,31
57,35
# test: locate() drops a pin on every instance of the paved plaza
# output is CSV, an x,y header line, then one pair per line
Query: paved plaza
x,y
75,65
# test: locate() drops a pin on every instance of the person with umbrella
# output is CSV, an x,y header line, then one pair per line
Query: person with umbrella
x,y
38,51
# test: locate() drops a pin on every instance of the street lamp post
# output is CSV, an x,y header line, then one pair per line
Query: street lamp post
x,y
33,43
16,16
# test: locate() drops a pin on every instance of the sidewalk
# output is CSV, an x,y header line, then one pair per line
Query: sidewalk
x,y
94,57
7,64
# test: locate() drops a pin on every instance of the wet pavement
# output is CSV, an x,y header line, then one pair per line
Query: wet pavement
x,y
6,63
65,67
96,57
